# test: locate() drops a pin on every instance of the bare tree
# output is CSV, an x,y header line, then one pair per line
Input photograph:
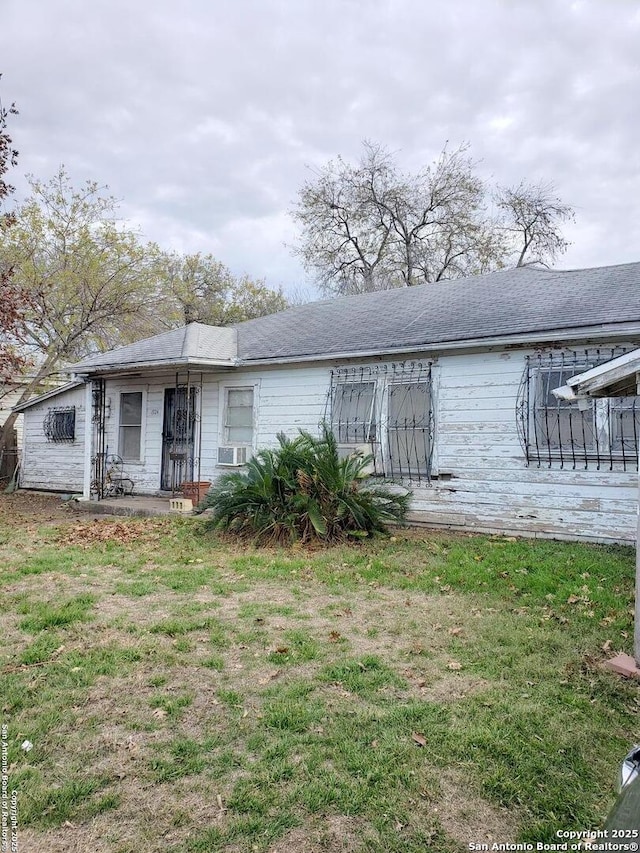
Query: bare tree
x,y
345,232
373,227
532,219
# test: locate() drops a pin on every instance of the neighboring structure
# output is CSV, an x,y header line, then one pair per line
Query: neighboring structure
x,y
449,385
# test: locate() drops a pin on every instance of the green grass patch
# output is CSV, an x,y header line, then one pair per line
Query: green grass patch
x,y
364,676
320,668
41,615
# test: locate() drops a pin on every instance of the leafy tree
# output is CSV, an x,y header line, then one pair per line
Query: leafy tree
x,y
304,491
14,301
88,279
200,288
371,226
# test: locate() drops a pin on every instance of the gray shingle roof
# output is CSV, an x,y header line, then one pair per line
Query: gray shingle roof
x,y
510,302
515,302
196,343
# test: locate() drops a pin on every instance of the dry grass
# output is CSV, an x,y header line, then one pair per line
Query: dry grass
x,y
222,698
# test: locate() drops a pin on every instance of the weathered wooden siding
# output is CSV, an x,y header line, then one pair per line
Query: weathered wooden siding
x,y
482,480
287,400
57,466
491,487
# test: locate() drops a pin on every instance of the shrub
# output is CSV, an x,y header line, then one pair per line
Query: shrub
x,y
302,491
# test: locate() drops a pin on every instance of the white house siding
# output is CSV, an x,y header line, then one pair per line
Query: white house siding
x,y
491,487
287,399
145,472
55,466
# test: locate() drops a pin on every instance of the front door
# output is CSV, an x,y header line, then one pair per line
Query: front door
x,y
178,437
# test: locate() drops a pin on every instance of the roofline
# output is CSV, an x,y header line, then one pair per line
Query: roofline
x,y
126,366
523,339
609,331
75,383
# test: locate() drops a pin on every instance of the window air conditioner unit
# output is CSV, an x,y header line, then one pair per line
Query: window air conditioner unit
x,y
345,450
232,456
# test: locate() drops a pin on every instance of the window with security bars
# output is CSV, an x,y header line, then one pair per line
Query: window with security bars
x,y
577,434
386,411
409,429
353,412
59,424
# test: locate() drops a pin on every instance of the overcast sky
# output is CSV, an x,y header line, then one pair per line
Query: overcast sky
x,y
204,116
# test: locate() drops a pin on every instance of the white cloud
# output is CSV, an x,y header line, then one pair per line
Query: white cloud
x,y
203,117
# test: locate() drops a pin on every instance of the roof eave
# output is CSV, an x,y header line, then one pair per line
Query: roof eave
x,y
68,386
168,364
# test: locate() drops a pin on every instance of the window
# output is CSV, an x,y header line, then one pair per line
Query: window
x,y
409,428
353,412
238,416
624,419
560,424
130,438
387,408
59,424
584,433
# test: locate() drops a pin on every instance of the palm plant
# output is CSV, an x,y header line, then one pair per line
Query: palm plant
x,y
303,490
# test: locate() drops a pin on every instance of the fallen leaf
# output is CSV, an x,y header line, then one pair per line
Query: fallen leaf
x,y
416,737
606,646
455,631
453,664
282,650
334,636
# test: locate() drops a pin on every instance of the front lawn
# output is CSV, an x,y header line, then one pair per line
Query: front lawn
x,y
411,694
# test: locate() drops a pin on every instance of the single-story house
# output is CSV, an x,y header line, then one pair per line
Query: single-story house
x,y
448,385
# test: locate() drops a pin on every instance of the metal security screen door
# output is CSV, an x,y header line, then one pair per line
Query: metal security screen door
x,y
178,437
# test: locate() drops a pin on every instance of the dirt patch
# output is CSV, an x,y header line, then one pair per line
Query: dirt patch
x,y
68,839
335,834
467,817
146,820
35,508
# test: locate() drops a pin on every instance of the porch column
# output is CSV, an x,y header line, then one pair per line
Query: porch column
x,y
88,436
